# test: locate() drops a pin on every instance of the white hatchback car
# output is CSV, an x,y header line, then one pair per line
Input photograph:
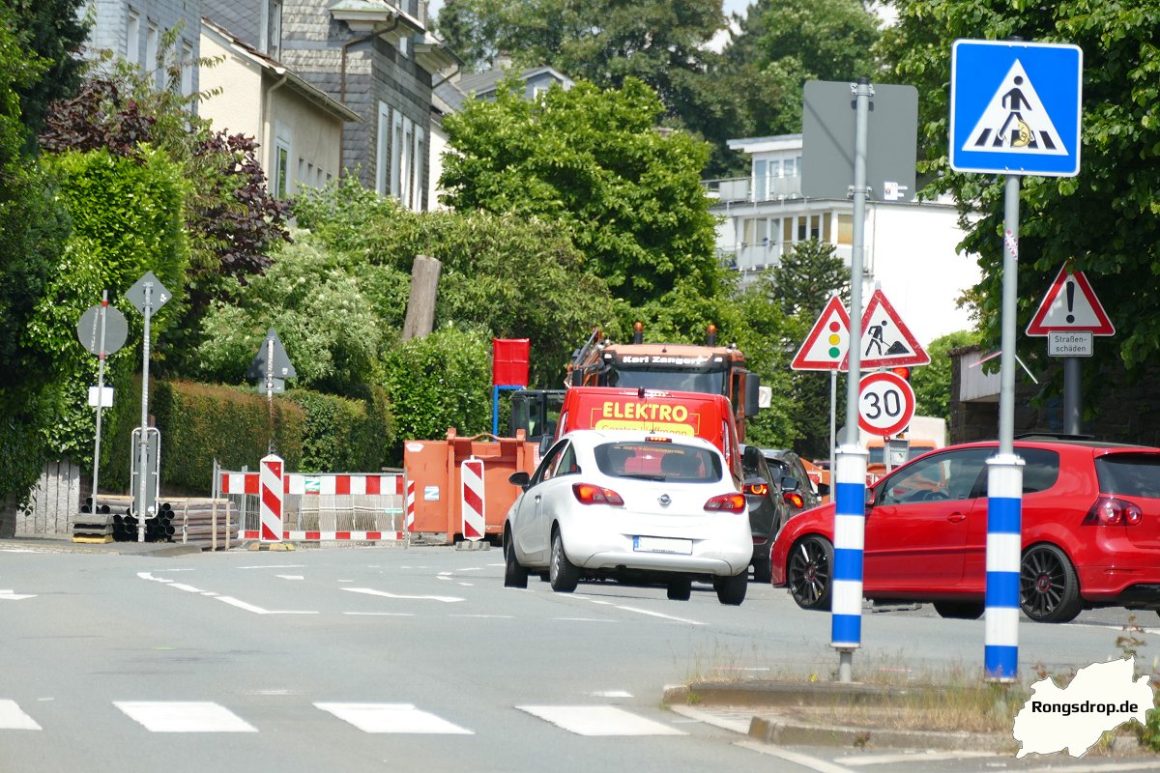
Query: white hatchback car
x,y
631,505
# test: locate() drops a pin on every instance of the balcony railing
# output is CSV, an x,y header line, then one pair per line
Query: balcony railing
x,y
737,189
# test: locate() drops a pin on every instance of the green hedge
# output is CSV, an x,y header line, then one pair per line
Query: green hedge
x,y
199,423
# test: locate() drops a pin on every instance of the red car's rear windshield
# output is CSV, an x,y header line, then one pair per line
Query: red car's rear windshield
x,y
658,461
1132,475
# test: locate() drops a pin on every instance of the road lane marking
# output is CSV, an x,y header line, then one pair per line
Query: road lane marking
x,y
11,595
611,694
184,717
186,588
12,717
290,576
384,594
233,602
599,720
392,718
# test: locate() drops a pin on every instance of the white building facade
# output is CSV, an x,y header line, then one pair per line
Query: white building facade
x,y
910,248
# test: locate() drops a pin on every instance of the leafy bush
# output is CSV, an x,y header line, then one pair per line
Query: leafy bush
x,y
342,435
441,381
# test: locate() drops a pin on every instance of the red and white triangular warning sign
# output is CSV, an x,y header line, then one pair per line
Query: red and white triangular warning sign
x,y
828,341
886,341
1070,305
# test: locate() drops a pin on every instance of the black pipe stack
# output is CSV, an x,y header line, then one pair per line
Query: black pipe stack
x,y
159,528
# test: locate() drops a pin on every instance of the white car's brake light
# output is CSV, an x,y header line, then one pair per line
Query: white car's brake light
x,y
729,503
588,494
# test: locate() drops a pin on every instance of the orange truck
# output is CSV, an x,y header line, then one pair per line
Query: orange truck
x,y
694,414
711,369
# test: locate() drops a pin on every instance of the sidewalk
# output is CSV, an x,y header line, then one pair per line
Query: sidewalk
x,y
66,545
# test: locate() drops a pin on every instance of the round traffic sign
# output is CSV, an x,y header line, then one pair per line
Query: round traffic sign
x,y
89,329
885,403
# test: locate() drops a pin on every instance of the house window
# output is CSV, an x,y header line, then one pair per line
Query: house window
x,y
397,156
792,166
760,182
186,68
382,149
133,37
152,38
420,167
274,39
281,168
846,230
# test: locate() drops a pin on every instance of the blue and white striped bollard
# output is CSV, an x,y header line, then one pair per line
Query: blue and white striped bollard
x,y
1004,551
849,539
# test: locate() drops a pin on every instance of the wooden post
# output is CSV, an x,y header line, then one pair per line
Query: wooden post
x,y
421,306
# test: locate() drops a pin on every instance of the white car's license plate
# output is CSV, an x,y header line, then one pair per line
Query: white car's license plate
x,y
662,545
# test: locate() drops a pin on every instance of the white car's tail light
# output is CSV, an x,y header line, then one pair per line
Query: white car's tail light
x,y
588,494
728,503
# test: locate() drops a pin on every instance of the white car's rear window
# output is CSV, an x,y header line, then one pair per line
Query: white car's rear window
x,y
652,460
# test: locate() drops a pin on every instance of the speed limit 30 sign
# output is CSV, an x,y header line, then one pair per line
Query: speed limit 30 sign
x,y
885,403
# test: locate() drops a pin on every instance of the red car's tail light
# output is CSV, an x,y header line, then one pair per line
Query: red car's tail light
x,y
1110,511
794,498
588,494
730,503
756,489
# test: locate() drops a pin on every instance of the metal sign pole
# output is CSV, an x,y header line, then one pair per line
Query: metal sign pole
x,y
850,480
833,426
100,397
1071,395
1005,479
143,448
270,395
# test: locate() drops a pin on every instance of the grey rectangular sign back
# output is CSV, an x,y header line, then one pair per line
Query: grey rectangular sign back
x,y
828,128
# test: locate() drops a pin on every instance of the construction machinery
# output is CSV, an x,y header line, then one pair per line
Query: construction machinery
x,y
705,368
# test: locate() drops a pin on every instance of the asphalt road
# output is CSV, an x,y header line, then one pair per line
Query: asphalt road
x,y
399,659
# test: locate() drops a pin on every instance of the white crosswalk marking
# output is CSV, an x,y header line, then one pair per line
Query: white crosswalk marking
x,y
185,717
392,718
599,720
13,718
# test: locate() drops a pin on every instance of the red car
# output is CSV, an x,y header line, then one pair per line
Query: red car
x,y
1090,520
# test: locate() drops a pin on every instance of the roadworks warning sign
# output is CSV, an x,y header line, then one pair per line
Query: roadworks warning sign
x,y
1101,697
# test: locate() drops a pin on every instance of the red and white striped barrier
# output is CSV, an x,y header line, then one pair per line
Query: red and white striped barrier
x,y
471,483
409,518
270,485
305,484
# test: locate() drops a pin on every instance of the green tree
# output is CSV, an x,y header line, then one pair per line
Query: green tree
x,y
802,284
53,32
33,228
593,163
1105,219
783,43
511,276
315,300
664,43
126,218
932,383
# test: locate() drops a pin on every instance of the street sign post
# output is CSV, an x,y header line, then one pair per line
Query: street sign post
x,y
885,403
887,339
825,348
1070,315
148,295
1015,109
272,366
102,330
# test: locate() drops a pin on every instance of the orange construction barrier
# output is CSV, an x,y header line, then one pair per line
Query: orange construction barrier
x,y
434,467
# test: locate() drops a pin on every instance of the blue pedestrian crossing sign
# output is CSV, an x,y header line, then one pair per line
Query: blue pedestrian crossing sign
x,y
1015,107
